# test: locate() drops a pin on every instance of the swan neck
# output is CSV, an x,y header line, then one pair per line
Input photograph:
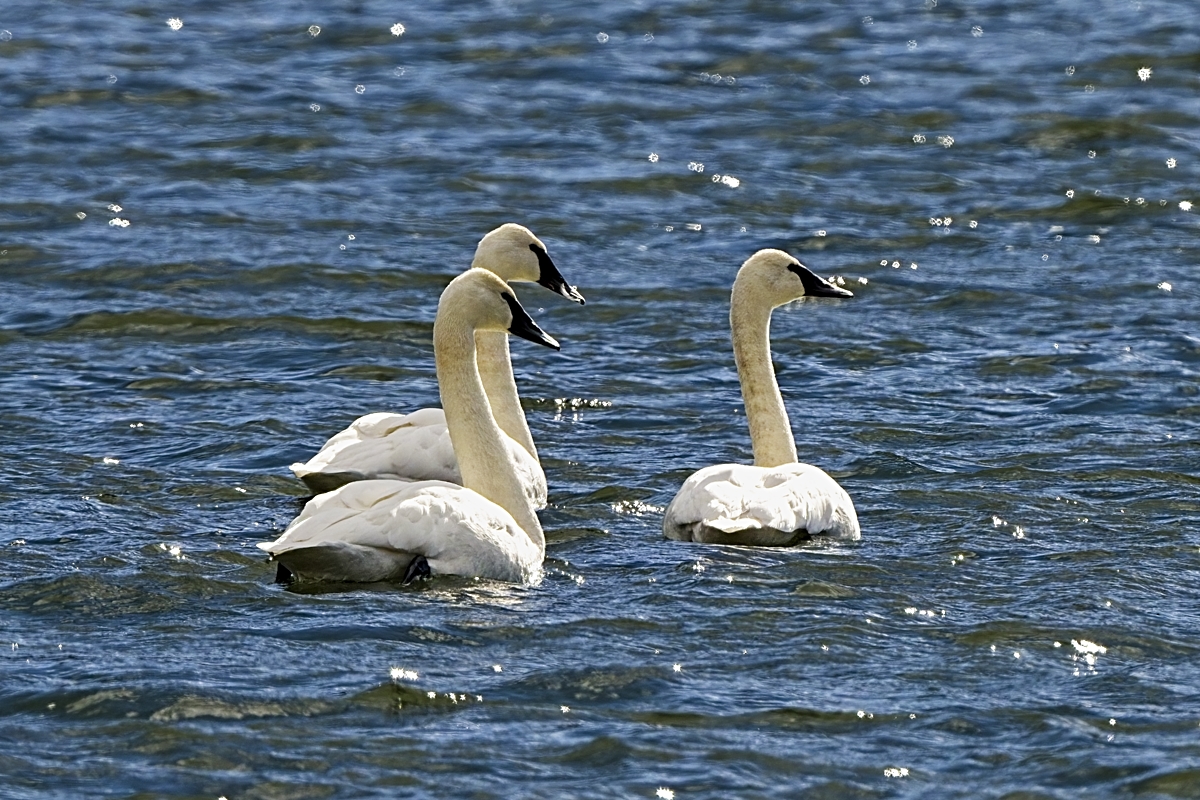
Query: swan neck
x,y
770,429
484,458
495,368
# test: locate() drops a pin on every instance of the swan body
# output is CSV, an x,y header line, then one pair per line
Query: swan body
x,y
378,529
416,446
776,501
371,530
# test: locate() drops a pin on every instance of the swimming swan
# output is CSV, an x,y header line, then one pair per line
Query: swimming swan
x,y
776,502
416,446
380,530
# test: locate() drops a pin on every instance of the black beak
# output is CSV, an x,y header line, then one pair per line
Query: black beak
x,y
524,326
552,279
816,286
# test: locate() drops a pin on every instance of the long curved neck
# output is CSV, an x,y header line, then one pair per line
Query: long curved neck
x,y
483,455
495,368
770,430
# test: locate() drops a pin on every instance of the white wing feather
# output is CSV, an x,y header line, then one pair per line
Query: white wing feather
x,y
740,503
411,447
458,531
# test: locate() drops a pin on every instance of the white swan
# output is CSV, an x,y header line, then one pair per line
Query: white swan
x,y
376,530
776,502
416,446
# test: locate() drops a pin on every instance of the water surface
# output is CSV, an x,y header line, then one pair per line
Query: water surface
x,y
1011,397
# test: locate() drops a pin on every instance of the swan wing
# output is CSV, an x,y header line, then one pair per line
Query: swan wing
x,y
412,447
744,504
458,531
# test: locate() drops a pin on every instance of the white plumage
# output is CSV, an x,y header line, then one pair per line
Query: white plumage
x,y
370,530
766,506
416,446
777,501
379,529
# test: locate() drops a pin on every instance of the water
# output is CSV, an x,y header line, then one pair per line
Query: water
x,y
1015,415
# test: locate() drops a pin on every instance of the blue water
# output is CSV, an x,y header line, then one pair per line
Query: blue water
x,y
1011,398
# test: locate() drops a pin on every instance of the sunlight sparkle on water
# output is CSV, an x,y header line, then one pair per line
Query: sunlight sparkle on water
x,y
695,166
1070,193
1071,70
945,141
397,29
1144,74
977,31
117,222
896,772
664,793
80,215
653,158
918,138
601,37
402,674
1171,163
1185,205
864,80
175,23
314,30
5,36
314,107
635,508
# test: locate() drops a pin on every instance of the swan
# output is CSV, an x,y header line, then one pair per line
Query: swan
x,y
416,446
777,501
380,529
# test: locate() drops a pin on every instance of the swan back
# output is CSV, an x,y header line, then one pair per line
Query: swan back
x,y
370,530
514,254
748,505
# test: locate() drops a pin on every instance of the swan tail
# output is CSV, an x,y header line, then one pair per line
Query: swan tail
x,y
341,562
321,482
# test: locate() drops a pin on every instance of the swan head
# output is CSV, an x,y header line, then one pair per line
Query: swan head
x,y
478,300
780,278
515,254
